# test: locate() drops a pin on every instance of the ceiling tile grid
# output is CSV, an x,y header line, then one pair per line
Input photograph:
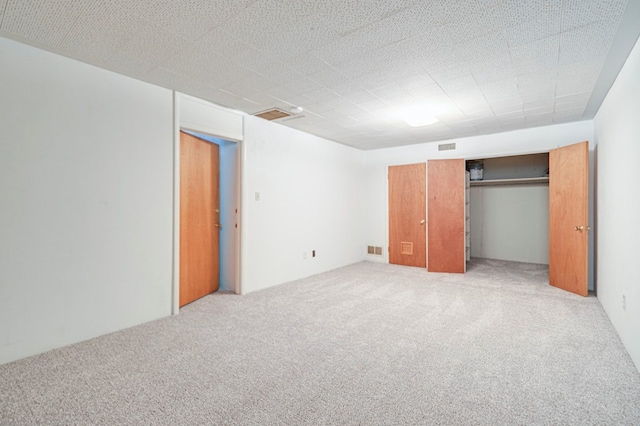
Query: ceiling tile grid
x,y
352,65
41,21
3,5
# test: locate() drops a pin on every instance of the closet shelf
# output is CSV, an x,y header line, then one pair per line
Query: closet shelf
x,y
518,181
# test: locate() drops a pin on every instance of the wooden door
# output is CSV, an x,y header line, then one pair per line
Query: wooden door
x,y
407,208
199,217
446,192
569,218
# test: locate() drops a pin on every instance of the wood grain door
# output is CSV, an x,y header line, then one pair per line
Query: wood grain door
x,y
407,208
199,218
446,211
569,218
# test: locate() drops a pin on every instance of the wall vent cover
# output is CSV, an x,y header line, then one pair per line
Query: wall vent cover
x,y
374,250
446,146
273,114
406,248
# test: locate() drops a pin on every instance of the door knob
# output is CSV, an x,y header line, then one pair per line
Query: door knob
x,y
422,222
579,228
217,225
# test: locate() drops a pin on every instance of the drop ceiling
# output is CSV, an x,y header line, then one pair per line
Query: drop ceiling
x,y
486,66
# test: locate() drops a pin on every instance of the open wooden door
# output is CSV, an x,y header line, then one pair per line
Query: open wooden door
x,y
199,217
569,218
407,208
446,213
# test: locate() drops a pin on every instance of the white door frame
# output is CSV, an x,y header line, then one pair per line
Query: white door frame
x,y
179,123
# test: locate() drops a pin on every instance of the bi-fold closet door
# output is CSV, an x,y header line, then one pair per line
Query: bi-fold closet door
x,y
441,246
427,215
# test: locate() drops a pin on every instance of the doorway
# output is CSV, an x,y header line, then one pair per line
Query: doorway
x,y
223,219
199,218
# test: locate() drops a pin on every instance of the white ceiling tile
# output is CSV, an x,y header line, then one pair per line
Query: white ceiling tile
x,y
128,64
306,63
328,77
299,86
191,19
398,100
427,92
544,103
438,58
100,31
40,20
578,100
517,116
528,21
578,13
537,55
452,115
506,109
568,115
588,43
579,77
490,61
490,45
500,89
538,78
321,95
164,77
214,69
539,119
497,68
360,96
223,43
484,19
347,16
416,81
514,13
153,44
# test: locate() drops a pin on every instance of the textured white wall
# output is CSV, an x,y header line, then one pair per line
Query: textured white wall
x,y
86,201
510,223
617,129
311,198
528,141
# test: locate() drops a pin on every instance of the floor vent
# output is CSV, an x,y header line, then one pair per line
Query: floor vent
x,y
406,248
374,250
446,146
273,114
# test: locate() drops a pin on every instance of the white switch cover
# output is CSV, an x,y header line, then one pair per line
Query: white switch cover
x,y
257,196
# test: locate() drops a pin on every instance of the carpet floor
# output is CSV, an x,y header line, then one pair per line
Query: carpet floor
x,y
367,344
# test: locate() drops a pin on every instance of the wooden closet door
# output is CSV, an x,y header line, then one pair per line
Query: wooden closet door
x,y
446,215
407,208
569,218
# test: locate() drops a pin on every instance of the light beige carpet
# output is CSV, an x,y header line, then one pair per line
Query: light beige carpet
x,y
365,344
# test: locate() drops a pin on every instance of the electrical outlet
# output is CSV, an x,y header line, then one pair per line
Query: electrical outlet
x,y
624,302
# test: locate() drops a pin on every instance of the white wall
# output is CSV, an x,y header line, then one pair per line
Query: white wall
x,y
617,129
528,141
86,161
510,223
310,198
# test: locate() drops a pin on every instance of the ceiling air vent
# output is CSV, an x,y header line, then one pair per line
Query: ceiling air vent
x,y
446,146
273,114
